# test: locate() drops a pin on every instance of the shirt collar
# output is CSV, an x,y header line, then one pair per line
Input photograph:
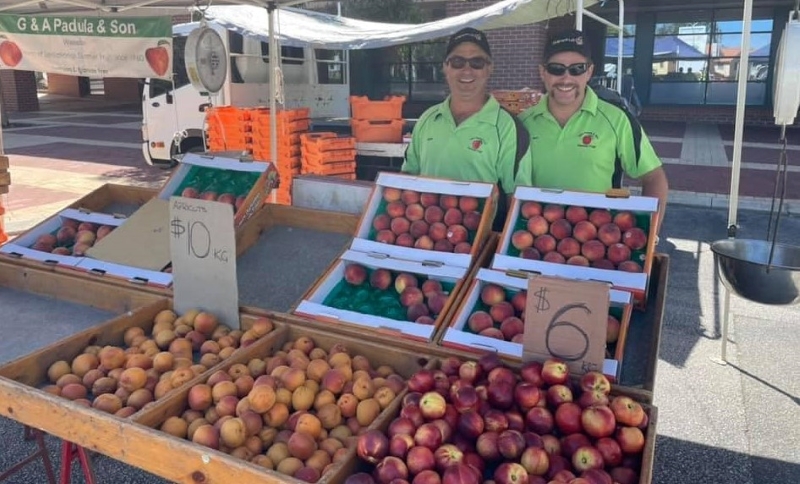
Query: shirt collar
x,y
487,114
589,104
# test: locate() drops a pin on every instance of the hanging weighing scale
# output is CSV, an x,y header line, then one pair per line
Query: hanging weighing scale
x,y
765,271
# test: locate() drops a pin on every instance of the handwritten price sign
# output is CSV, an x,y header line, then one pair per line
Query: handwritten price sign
x,y
203,250
566,319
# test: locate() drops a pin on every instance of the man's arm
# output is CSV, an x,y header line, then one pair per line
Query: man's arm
x,y
646,167
654,184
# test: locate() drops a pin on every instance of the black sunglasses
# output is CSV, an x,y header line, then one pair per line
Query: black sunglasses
x,y
458,62
575,70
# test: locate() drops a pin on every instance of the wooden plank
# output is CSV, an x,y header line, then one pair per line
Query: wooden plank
x,y
323,221
5,178
659,276
32,368
248,234
69,286
649,451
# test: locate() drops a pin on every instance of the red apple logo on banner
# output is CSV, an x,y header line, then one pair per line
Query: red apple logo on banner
x,y
10,54
158,58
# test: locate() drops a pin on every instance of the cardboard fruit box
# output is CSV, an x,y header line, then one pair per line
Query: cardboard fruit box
x,y
443,221
113,199
460,335
244,184
604,238
55,241
377,292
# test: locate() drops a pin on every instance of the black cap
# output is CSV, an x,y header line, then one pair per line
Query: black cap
x,y
468,35
567,41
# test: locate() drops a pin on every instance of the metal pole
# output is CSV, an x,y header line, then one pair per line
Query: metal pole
x,y
620,41
273,113
741,101
726,313
579,16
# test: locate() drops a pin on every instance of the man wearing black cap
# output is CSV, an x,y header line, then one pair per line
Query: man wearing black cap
x,y
580,142
470,136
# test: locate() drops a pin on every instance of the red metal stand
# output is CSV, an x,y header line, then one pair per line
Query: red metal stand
x,y
70,452
38,436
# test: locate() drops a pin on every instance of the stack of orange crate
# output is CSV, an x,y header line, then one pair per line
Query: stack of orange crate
x,y
327,154
377,121
292,123
228,128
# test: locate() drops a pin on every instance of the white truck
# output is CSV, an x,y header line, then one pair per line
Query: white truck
x,y
174,116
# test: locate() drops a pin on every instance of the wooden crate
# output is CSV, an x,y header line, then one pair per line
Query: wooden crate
x,y
110,193
31,370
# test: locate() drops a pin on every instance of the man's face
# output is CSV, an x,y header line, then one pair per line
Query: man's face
x,y
467,70
564,88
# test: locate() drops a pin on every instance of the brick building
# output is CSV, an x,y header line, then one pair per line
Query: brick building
x,y
681,55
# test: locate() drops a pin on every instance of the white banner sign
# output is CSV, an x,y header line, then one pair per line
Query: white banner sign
x,y
87,46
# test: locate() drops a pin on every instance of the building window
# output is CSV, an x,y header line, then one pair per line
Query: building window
x,y
697,62
612,48
415,71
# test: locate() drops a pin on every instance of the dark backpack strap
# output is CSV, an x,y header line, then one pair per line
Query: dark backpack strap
x,y
523,142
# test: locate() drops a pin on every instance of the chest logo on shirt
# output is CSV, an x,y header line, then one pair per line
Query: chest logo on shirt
x,y
475,144
587,140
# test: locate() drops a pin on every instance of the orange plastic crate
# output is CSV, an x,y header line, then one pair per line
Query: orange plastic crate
x,y
312,137
262,114
227,115
346,176
217,144
331,168
292,127
362,107
329,144
366,131
3,235
323,157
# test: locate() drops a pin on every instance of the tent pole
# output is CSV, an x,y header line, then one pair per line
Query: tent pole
x,y
620,40
741,101
274,50
579,16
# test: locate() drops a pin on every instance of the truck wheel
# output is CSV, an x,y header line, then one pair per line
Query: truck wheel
x,y
188,145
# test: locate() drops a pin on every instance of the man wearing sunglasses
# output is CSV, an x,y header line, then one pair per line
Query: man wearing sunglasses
x,y
579,141
469,136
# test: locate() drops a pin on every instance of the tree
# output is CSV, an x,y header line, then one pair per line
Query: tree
x,y
394,11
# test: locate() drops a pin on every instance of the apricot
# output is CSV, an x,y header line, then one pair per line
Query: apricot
x,y
107,403
302,398
277,415
73,391
233,432
367,411
139,398
384,396
132,379
57,370
181,376
206,435
205,323
83,363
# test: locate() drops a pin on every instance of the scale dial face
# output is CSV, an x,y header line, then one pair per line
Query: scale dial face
x,y
206,60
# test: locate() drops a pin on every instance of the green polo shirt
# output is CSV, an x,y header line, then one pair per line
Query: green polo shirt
x,y
588,151
483,148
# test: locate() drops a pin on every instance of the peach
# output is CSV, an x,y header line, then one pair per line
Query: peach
x,y
404,240
381,222
625,220
630,266
552,212
453,216
85,237
492,333
612,330
380,279
511,327
522,239
618,253
519,300
411,295
492,294
87,226
457,234
609,234
418,229
434,214
385,237
478,321
416,311
593,250
415,212
530,253
554,257
530,209
468,204
355,274
61,251
603,264
190,192
103,231
569,247
427,320
400,225
600,217
403,281
391,194
209,195
429,199
443,246
578,260
544,244
70,223
635,238
228,198
424,243
462,248
431,287
396,209
472,220
65,235
436,303
584,231
437,231
501,311
576,214
409,196
448,201
45,247
561,229
537,225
